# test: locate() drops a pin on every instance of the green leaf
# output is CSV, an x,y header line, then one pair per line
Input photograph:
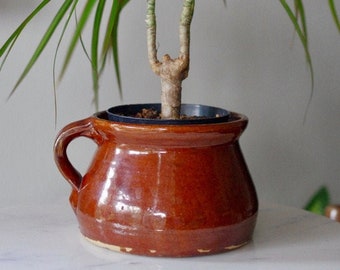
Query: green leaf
x,y
109,44
82,43
94,48
318,202
111,38
75,38
301,30
12,39
334,14
56,54
114,46
300,13
46,37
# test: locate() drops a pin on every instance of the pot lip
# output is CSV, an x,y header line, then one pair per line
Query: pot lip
x,y
211,114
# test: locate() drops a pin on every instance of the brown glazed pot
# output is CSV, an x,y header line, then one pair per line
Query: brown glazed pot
x,y
162,190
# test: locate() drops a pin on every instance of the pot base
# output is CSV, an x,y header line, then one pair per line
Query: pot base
x,y
153,252
174,243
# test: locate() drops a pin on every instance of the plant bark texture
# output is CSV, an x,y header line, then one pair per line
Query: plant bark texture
x,y
171,71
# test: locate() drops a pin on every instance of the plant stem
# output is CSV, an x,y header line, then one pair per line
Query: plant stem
x,y
171,71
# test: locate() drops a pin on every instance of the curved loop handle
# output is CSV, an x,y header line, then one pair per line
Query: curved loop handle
x,y
82,128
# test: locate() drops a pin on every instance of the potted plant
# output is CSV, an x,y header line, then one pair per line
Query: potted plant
x,y
160,187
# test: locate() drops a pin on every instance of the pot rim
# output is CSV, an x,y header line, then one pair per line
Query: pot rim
x,y
211,114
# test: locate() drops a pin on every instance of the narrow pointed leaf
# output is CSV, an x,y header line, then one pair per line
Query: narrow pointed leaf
x,y
301,15
94,48
82,43
302,31
334,14
46,37
56,54
12,39
110,39
117,7
110,25
114,44
298,29
75,38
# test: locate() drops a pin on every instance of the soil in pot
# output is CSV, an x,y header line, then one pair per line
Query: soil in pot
x,y
151,114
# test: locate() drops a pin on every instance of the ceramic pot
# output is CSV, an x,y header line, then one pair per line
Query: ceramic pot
x,y
333,212
170,190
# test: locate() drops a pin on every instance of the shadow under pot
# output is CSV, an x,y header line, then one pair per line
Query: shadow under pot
x,y
162,188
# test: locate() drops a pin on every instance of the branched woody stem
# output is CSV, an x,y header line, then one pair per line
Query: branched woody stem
x,y
151,36
171,71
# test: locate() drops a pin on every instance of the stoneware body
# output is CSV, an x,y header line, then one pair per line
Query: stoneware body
x,y
162,190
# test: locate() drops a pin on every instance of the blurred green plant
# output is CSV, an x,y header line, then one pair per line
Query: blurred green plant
x,y
319,201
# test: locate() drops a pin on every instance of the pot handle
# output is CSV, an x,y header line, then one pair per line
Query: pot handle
x,y
81,128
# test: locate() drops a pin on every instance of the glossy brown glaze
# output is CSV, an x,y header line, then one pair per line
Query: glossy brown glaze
x,y
162,190
333,212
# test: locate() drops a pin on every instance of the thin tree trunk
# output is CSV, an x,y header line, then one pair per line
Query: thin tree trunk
x,y
171,71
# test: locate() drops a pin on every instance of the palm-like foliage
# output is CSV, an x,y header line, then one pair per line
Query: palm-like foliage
x,y
98,56
67,9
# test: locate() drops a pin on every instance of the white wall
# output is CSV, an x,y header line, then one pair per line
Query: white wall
x,y
244,58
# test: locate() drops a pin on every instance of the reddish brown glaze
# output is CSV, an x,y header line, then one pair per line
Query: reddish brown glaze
x,y
162,190
333,212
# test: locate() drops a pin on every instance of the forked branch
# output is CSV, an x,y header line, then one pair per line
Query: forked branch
x,y
171,71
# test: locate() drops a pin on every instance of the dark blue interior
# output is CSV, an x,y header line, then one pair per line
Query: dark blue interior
x,y
211,114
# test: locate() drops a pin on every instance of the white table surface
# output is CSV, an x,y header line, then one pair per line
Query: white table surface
x,y
47,237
